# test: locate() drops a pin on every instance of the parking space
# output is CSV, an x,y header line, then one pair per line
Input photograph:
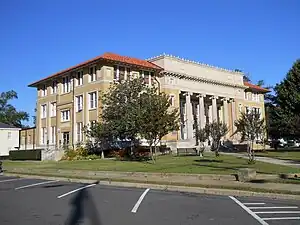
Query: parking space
x,y
271,211
36,201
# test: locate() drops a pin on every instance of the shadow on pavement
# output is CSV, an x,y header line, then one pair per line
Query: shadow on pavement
x,y
83,207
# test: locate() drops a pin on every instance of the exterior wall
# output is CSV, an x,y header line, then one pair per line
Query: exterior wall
x,y
9,139
179,76
67,101
28,138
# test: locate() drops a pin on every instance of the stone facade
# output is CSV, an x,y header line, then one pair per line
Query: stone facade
x,y
69,100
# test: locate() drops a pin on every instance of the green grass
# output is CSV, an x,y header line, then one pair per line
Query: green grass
x,y
165,164
286,154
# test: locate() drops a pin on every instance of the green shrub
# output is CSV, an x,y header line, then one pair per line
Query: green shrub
x,y
35,154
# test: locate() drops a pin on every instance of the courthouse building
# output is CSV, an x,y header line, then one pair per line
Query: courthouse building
x,y
68,100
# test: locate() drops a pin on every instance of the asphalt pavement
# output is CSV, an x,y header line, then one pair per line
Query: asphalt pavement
x,y
50,202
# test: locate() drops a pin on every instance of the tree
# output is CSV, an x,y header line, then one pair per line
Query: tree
x,y
288,91
122,111
250,127
157,118
8,113
202,137
216,130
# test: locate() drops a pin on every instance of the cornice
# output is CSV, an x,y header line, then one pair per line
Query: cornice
x,y
201,79
192,62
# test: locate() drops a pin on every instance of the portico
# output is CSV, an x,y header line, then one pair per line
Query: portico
x,y
200,109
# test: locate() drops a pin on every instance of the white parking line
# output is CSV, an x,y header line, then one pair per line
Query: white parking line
x,y
260,220
254,203
137,204
280,212
3,181
78,189
37,184
274,207
282,218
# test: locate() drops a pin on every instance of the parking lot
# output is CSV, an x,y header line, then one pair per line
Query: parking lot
x,y
34,202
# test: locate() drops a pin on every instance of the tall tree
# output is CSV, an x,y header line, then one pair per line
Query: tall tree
x,y
288,90
250,127
8,113
157,117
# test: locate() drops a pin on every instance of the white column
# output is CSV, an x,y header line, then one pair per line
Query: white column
x,y
214,109
233,110
225,111
201,119
189,114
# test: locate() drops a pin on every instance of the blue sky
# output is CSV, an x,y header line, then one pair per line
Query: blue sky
x,y
39,38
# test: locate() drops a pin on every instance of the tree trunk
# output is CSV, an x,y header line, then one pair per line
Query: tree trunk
x,y
102,155
252,151
151,153
202,148
217,148
155,151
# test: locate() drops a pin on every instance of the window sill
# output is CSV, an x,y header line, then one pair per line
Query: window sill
x,y
65,121
53,116
91,109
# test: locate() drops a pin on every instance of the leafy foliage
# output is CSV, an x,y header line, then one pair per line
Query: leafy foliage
x,y
282,108
8,113
131,111
250,127
216,130
157,118
202,136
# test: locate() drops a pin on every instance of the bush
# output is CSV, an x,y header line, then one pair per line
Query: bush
x,y
35,154
79,153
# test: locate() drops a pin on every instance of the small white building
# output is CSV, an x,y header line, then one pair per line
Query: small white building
x,y
9,138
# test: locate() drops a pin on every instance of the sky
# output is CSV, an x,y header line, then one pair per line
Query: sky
x,y
38,38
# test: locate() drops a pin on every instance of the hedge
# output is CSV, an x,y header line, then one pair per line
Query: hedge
x,y
25,154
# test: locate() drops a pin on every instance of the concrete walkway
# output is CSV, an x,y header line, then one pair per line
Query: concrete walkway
x,y
266,159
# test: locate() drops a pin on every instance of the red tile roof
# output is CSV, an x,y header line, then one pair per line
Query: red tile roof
x,y
255,87
106,56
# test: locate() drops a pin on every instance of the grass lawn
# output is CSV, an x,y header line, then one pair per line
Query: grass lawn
x,y
165,164
288,154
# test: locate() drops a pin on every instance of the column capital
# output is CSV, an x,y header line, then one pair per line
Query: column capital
x,y
225,99
187,93
214,97
201,95
231,100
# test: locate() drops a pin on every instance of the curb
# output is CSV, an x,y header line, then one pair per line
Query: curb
x,y
174,188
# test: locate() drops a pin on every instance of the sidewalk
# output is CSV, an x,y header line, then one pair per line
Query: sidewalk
x,y
170,179
266,159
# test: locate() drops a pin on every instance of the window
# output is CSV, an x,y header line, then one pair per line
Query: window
x,y
66,84
128,73
44,111
65,115
53,109
172,100
255,97
93,100
54,87
53,135
79,103
79,132
116,73
246,95
43,135
79,77
121,73
146,77
44,90
93,73
9,135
